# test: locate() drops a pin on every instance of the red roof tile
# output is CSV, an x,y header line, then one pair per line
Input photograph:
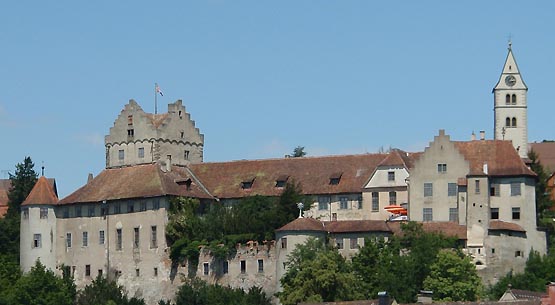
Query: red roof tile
x,y
42,193
303,224
505,226
546,154
348,226
224,179
5,185
500,156
138,182
398,157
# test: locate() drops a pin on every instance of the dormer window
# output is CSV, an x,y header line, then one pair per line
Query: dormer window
x,y
187,182
281,181
335,178
247,184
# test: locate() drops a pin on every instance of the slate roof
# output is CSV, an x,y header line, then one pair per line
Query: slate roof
x,y
499,225
138,181
224,179
42,193
546,154
501,158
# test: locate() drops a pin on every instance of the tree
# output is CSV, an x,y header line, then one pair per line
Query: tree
x,y
544,214
298,152
103,291
41,286
9,274
453,277
198,292
318,274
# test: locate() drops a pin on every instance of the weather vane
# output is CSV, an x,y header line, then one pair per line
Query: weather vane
x,y
300,206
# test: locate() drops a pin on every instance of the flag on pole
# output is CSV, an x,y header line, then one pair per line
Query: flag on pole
x,y
158,90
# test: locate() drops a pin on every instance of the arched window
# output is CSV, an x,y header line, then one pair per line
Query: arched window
x,y
508,122
514,122
514,99
508,99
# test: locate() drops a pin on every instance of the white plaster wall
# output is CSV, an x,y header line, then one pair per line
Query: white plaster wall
x,y
35,225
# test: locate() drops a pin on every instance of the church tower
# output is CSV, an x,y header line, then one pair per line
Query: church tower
x,y
510,106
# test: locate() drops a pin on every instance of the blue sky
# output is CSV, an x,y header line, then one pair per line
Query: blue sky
x,y
262,77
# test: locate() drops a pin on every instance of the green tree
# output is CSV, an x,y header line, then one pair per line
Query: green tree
x,y
318,274
103,291
453,277
9,274
198,292
544,214
298,152
41,286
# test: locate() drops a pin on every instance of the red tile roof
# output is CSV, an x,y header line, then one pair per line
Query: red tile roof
x,y
399,157
348,226
303,224
138,181
500,156
546,154
224,179
42,193
505,226
5,185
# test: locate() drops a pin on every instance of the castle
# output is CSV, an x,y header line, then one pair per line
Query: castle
x,y
480,191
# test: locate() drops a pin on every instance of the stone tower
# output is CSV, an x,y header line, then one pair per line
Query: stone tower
x,y
38,226
510,106
138,137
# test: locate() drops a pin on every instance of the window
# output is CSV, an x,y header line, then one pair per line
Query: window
x,y
454,214
353,244
477,186
494,190
85,239
359,202
78,211
260,265
117,208
130,132
87,270
518,253
186,155
156,203
137,272
343,203
43,213
91,211
513,100
390,176
494,213
515,188
516,213
323,202
136,237
142,206
205,268
246,184
101,237
492,250
153,237
335,178
155,271
99,272
392,197
225,268
280,183
284,242
442,168
508,122
37,240
514,122
427,214
508,99
118,239
121,154
451,189
68,240
141,152
182,134
428,189
243,267
129,120
25,213
333,216
375,201
339,243
130,207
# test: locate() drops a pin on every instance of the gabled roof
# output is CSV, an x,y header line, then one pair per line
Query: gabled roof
x,y
500,156
303,224
138,181
546,154
42,193
499,225
397,157
223,179
352,226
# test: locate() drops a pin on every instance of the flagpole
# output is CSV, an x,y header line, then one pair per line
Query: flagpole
x,y
155,99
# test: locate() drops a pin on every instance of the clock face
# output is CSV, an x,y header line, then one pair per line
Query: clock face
x,y
510,80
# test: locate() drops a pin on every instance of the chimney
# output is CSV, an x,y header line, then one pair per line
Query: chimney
x,y
383,298
485,168
473,137
482,135
425,297
169,163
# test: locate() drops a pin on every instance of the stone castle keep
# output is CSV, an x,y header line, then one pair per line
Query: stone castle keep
x,y
480,191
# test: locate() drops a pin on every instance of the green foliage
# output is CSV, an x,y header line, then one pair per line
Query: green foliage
x,y
298,152
103,291
318,274
198,292
9,274
453,277
41,286
544,214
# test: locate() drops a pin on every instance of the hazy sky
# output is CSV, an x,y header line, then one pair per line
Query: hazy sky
x,y
261,77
